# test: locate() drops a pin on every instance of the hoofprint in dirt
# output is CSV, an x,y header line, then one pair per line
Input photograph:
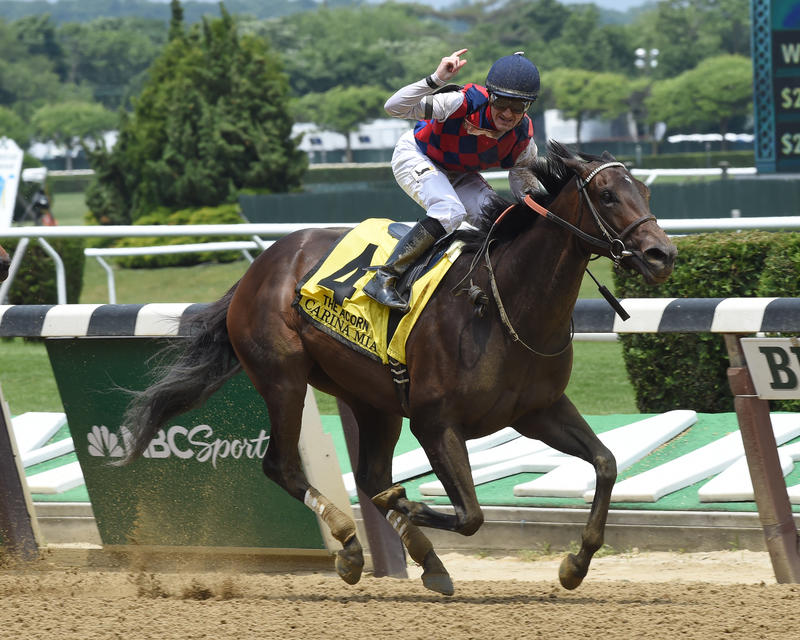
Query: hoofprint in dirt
x,y
632,595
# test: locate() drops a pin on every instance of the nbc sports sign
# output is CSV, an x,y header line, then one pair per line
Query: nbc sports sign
x,y
200,481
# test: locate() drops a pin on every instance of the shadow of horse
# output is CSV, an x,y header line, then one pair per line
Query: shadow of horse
x,y
470,374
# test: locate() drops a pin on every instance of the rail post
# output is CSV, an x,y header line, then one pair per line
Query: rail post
x,y
18,529
385,547
761,451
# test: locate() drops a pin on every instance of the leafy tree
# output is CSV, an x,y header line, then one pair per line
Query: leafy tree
x,y
210,121
70,123
713,93
342,109
343,47
111,55
581,94
14,127
688,31
27,79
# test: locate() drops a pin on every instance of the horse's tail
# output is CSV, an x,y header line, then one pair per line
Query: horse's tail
x,y
198,367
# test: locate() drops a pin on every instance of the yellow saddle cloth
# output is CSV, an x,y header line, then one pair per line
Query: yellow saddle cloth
x,y
330,296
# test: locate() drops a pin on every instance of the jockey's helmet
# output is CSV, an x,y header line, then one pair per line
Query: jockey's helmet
x,y
514,76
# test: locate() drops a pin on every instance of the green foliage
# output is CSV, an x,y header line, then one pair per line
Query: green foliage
x,y
581,94
714,92
66,122
112,55
687,32
211,120
670,371
342,109
14,127
35,282
387,45
225,214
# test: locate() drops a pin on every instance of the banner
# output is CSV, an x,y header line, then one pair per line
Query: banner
x,y
10,168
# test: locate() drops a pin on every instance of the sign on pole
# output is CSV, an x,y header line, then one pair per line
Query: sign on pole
x,y
774,365
10,168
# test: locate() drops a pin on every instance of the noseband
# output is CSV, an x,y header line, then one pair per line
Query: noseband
x,y
613,241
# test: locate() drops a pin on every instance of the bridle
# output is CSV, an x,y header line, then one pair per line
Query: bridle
x,y
613,241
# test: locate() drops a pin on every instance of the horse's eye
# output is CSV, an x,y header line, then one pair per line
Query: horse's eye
x,y
607,196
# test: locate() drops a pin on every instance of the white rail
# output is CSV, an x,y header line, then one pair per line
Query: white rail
x,y
277,230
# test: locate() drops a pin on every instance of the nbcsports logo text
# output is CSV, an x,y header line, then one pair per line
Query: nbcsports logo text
x,y
196,443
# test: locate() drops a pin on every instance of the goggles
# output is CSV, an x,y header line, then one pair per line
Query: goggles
x,y
501,103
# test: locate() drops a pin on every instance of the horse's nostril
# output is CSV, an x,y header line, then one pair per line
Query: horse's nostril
x,y
655,255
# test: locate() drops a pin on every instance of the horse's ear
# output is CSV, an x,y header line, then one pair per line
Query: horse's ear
x,y
574,164
607,157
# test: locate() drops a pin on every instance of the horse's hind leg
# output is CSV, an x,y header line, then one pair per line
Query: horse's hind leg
x,y
284,388
564,429
378,433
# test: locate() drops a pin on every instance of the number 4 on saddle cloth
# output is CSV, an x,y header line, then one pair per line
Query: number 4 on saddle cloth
x,y
330,296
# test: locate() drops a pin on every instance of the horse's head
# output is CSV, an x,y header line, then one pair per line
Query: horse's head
x,y
4,263
614,207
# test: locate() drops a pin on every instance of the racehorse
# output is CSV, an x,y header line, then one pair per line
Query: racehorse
x,y
471,374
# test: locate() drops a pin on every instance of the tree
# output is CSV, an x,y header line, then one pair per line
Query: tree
x,y
342,109
688,31
70,123
581,94
14,127
111,55
717,90
211,121
351,46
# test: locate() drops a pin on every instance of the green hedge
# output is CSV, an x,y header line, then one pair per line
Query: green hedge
x,y
35,282
225,214
689,371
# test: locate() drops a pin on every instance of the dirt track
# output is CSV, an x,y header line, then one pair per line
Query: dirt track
x,y
708,596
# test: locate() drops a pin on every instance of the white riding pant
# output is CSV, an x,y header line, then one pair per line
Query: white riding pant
x,y
451,197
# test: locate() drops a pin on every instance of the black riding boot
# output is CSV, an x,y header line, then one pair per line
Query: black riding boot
x,y
411,246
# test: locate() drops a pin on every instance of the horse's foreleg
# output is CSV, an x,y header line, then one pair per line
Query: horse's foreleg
x,y
564,429
378,433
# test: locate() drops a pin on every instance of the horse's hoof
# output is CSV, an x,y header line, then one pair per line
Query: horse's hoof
x,y
435,576
438,582
387,499
570,573
350,561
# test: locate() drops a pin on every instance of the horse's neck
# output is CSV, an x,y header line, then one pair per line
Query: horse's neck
x,y
544,266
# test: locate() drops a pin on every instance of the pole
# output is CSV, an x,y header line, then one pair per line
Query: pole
x,y
385,546
761,451
17,525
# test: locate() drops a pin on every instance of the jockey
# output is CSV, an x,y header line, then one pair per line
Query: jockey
x,y
459,133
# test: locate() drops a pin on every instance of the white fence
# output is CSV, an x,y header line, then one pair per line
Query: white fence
x,y
257,233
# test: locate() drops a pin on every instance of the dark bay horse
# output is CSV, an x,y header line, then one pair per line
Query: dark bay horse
x,y
471,375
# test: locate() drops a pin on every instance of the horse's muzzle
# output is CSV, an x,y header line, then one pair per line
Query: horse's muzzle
x,y
656,263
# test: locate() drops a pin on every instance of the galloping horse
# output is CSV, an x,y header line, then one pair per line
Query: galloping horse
x,y
470,374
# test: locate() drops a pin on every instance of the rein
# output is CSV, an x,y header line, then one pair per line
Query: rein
x,y
614,243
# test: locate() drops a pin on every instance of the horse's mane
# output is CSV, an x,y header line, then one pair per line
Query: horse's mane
x,y
552,173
